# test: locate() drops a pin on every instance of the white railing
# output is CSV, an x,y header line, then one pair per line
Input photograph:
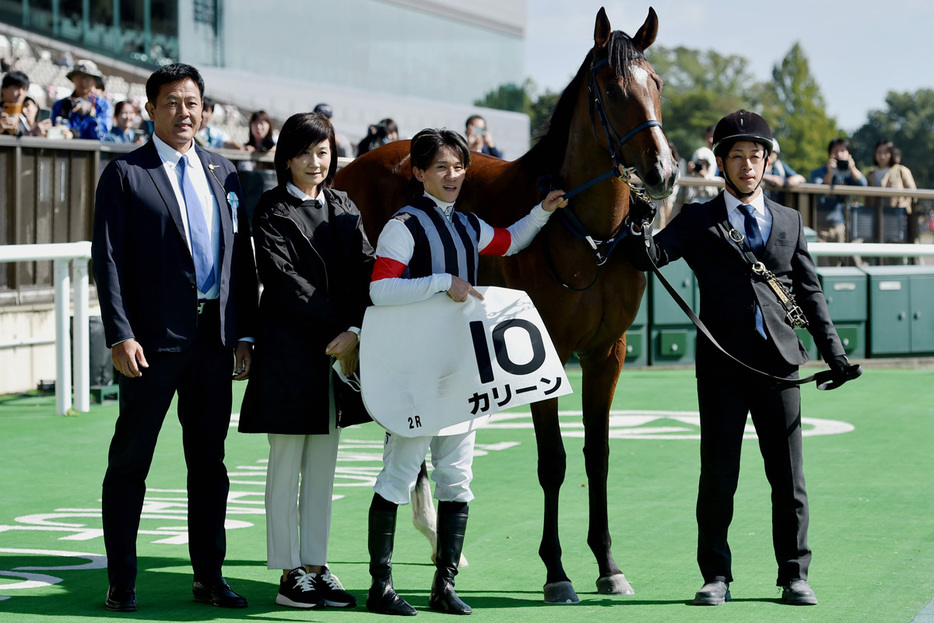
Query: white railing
x,y
73,255
870,249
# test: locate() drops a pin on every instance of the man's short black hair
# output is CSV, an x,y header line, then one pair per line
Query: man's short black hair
x,y
473,118
207,103
426,144
838,142
15,79
168,74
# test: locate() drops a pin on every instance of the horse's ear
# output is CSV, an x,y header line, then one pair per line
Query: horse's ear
x,y
601,30
646,35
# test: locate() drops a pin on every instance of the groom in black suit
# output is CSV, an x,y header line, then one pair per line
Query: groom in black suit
x,y
177,287
746,317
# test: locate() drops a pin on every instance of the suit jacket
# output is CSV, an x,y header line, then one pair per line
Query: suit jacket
x,y
142,264
729,291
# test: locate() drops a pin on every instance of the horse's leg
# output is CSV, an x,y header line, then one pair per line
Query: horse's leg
x,y
600,373
552,464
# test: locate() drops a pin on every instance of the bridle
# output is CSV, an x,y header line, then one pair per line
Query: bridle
x,y
622,171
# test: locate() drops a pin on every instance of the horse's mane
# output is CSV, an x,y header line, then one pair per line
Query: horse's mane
x,y
552,140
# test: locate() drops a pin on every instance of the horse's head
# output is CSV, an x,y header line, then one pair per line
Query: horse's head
x,y
625,101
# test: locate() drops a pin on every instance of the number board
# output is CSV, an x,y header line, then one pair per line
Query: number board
x,y
440,367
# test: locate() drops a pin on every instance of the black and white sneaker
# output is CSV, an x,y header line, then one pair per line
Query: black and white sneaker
x,y
297,590
329,587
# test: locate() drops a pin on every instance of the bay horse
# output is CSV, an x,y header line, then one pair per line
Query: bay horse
x,y
605,127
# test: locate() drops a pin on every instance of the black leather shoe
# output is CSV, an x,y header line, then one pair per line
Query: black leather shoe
x,y
217,594
121,599
798,593
712,594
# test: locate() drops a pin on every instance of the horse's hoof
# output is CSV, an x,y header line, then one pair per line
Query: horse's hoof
x,y
614,585
560,593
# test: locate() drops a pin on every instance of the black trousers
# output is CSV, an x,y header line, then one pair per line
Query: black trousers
x,y
724,402
201,375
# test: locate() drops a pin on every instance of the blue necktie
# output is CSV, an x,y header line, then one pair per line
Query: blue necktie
x,y
756,244
753,235
201,249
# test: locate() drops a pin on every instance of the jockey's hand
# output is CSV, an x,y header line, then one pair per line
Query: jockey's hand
x,y
460,290
555,199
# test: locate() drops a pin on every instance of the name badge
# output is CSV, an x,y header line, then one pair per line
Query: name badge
x,y
234,202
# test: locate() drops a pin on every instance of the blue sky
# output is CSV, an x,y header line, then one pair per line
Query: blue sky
x,y
858,50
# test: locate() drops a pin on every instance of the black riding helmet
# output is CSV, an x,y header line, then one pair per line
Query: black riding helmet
x,y
741,125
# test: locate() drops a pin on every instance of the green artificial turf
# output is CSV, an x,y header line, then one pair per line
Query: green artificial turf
x,y
872,525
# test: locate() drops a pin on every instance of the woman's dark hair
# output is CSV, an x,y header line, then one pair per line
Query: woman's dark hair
x,y
118,107
377,135
168,74
896,155
298,133
426,144
262,143
884,143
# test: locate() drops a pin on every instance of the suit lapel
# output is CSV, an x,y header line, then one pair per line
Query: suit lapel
x,y
160,179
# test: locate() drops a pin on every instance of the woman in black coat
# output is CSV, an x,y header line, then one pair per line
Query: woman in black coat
x,y
315,263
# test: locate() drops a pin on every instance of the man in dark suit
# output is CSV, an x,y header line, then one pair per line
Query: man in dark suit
x,y
177,286
744,315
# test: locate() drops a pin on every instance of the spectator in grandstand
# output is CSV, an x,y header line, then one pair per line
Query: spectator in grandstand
x,y
889,172
702,168
386,131
315,262
260,141
704,153
840,169
344,149
479,137
176,281
261,133
37,127
210,136
12,95
84,112
779,175
122,130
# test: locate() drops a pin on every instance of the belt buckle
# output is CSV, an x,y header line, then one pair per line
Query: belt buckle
x,y
201,304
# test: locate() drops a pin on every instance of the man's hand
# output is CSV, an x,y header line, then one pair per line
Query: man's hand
x,y
554,200
460,290
345,348
243,359
128,358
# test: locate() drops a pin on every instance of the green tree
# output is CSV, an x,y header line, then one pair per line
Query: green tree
x,y
908,121
797,112
700,87
509,97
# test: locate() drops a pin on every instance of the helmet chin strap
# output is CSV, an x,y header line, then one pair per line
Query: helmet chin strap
x,y
736,191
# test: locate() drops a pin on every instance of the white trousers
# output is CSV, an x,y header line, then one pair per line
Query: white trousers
x,y
451,458
299,487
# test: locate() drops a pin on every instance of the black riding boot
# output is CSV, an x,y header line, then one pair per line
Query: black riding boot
x,y
451,528
382,599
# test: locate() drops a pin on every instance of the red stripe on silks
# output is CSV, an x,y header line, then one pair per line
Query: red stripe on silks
x,y
387,268
500,243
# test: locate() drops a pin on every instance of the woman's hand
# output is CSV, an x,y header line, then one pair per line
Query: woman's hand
x,y
345,348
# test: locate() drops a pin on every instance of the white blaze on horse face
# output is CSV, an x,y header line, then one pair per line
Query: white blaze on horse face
x,y
641,77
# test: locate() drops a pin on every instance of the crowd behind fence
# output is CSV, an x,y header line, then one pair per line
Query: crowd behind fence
x,y
47,196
